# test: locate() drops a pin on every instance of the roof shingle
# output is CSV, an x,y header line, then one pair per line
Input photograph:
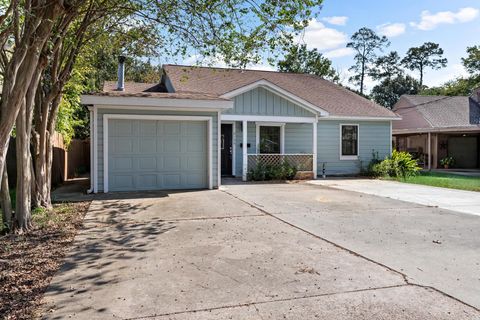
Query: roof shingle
x,y
437,112
336,100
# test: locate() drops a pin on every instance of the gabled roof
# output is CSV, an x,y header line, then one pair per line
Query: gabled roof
x,y
437,112
334,99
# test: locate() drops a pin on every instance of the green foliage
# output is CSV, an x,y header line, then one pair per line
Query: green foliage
x,y
368,171
447,161
428,55
266,172
472,61
301,60
399,165
365,42
386,67
457,87
389,91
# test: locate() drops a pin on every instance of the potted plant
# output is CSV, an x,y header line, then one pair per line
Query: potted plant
x,y
447,162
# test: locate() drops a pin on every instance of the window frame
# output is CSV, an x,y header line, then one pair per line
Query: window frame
x,y
269,124
349,157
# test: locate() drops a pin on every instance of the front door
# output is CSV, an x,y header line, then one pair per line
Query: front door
x,y
226,145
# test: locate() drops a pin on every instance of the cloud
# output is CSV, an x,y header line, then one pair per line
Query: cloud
x,y
336,20
318,36
434,78
430,21
338,53
391,29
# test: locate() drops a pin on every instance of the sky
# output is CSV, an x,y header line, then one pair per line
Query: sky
x,y
454,24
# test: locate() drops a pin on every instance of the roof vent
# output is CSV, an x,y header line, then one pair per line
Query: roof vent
x,y
121,73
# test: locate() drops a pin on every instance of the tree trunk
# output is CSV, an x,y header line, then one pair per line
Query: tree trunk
x,y
6,202
22,66
23,213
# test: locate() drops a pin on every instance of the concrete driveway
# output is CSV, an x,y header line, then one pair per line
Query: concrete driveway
x,y
234,254
450,199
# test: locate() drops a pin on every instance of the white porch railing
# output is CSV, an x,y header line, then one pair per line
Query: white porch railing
x,y
301,161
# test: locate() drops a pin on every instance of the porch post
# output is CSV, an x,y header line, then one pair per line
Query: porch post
x,y
314,148
244,150
429,148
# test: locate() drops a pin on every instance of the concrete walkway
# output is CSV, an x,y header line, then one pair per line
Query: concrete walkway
x,y
450,199
211,255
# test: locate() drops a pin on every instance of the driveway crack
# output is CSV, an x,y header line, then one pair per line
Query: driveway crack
x,y
403,275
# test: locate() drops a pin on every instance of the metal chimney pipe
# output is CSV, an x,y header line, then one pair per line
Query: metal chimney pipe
x,y
121,73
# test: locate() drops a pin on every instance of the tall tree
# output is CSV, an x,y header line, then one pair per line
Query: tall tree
x,y
55,32
472,61
387,67
301,60
365,42
389,90
428,55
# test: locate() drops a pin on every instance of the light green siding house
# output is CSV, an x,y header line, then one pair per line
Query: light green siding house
x,y
200,124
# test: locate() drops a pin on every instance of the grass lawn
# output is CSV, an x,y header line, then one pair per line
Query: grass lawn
x,y
445,180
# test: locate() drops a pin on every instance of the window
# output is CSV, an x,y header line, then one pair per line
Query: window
x,y
270,139
349,141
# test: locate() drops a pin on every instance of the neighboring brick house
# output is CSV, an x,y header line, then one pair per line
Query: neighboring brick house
x,y
434,127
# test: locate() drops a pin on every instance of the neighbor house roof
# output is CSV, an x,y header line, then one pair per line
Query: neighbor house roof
x,y
334,99
436,113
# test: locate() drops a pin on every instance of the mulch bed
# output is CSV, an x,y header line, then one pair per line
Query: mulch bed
x,y
28,262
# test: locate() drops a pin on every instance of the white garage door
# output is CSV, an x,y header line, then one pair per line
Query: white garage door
x,y
157,154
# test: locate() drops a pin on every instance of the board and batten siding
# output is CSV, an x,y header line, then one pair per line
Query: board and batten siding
x,y
260,101
100,150
374,136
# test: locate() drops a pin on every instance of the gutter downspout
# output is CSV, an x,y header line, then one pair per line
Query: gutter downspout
x,y
89,191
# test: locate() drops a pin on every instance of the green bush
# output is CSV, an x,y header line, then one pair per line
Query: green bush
x,y
399,165
265,172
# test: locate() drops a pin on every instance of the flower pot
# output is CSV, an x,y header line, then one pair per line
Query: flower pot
x,y
445,166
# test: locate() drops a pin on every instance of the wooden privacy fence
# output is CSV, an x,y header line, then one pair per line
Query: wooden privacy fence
x,y
67,163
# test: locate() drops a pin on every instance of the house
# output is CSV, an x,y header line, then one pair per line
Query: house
x,y
199,124
434,127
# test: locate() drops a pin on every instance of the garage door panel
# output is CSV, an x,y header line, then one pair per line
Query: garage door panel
x,y
150,155
194,163
123,181
172,181
122,145
171,128
172,163
148,164
148,181
196,180
148,145
120,163
148,128
123,128
171,144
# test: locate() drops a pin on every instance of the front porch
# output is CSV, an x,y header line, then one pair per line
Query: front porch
x,y
431,147
245,143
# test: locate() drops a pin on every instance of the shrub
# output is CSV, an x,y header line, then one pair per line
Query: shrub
x,y
368,171
265,172
399,165
447,161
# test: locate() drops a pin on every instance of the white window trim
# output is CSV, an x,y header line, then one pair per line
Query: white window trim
x,y
234,148
270,124
354,157
107,117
